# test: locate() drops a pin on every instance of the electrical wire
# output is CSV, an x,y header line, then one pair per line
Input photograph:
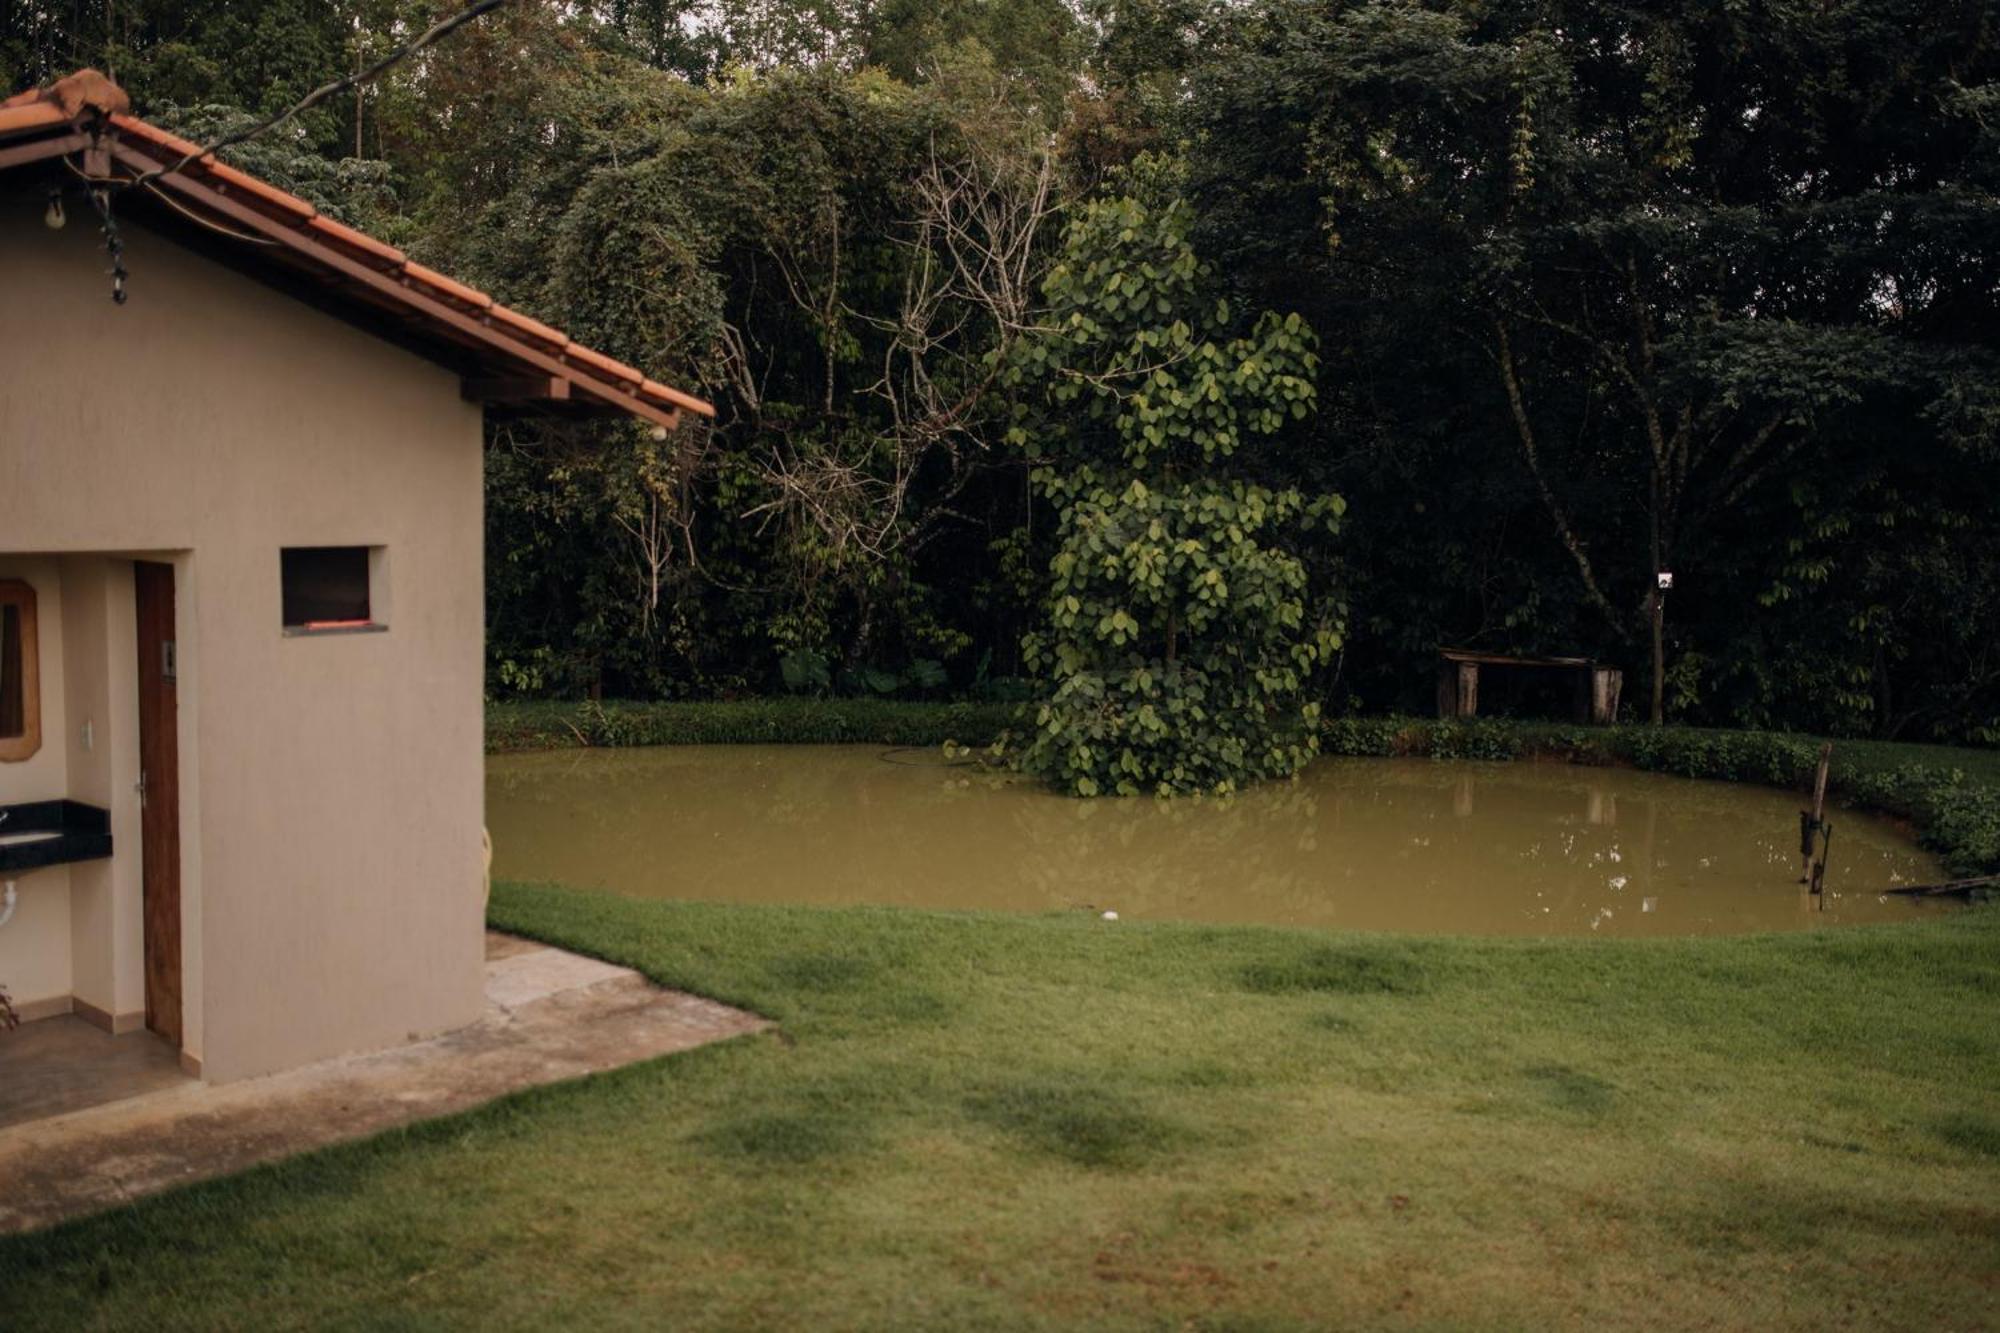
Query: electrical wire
x,y
100,194
442,28
98,182
201,221
114,244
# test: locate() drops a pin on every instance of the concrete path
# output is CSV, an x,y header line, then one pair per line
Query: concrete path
x,y
550,1015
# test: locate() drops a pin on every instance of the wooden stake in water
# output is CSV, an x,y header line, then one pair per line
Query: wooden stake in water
x,y
1812,823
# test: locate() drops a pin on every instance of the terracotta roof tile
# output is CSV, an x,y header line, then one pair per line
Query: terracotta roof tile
x,y
343,234
417,291
457,291
662,394
30,116
269,194
533,328
178,146
599,361
222,171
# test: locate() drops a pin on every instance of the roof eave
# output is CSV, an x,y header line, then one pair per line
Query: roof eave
x,y
592,383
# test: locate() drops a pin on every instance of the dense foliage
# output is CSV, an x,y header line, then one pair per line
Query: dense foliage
x,y
1179,638
1953,796
1602,288
1705,288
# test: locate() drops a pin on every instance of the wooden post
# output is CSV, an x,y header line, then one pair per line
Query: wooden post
x,y
1818,818
1606,683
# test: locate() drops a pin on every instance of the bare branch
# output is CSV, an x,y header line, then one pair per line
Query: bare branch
x,y
971,276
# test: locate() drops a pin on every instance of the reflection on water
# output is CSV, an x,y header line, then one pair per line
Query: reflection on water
x,y
1381,844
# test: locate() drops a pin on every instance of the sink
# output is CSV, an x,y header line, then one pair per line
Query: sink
x,y
34,834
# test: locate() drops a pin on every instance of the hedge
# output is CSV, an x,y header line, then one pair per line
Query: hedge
x,y
549,726
1951,795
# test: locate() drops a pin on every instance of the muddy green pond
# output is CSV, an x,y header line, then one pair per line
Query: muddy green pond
x,y
1373,844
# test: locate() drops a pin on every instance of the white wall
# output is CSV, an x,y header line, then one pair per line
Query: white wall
x,y
35,943
331,790
101,731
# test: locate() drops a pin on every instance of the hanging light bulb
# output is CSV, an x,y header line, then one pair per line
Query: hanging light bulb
x,y
53,218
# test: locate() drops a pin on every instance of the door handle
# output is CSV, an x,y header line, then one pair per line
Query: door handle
x,y
140,787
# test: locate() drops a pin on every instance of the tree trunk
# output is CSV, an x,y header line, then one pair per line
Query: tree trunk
x,y
1657,713
1503,357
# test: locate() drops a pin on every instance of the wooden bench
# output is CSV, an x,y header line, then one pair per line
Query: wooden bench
x,y
1597,685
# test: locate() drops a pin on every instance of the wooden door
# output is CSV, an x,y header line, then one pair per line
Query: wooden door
x,y
159,795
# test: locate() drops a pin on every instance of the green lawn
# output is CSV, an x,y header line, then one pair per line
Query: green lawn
x,y
981,1121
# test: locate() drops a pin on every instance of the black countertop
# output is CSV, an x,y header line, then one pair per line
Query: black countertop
x,y
82,833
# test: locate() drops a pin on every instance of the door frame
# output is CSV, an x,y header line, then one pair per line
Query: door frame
x,y
154,605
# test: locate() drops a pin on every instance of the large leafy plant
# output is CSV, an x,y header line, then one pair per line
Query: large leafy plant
x,y
1180,634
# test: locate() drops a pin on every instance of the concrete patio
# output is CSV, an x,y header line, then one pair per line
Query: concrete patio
x,y
89,1121
58,1066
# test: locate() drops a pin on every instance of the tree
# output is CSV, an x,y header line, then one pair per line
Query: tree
x,y
1604,286
1669,258
837,260
1181,634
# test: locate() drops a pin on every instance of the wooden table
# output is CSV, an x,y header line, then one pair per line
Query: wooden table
x,y
1597,685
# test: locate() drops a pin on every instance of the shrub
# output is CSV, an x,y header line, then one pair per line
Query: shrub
x,y
1956,811
1179,633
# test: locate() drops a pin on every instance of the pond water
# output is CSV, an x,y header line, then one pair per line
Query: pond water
x,y
1375,844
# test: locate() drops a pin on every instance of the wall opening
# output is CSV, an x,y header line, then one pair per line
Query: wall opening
x,y
333,589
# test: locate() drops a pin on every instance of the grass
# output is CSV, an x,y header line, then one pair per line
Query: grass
x,y
1044,1122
